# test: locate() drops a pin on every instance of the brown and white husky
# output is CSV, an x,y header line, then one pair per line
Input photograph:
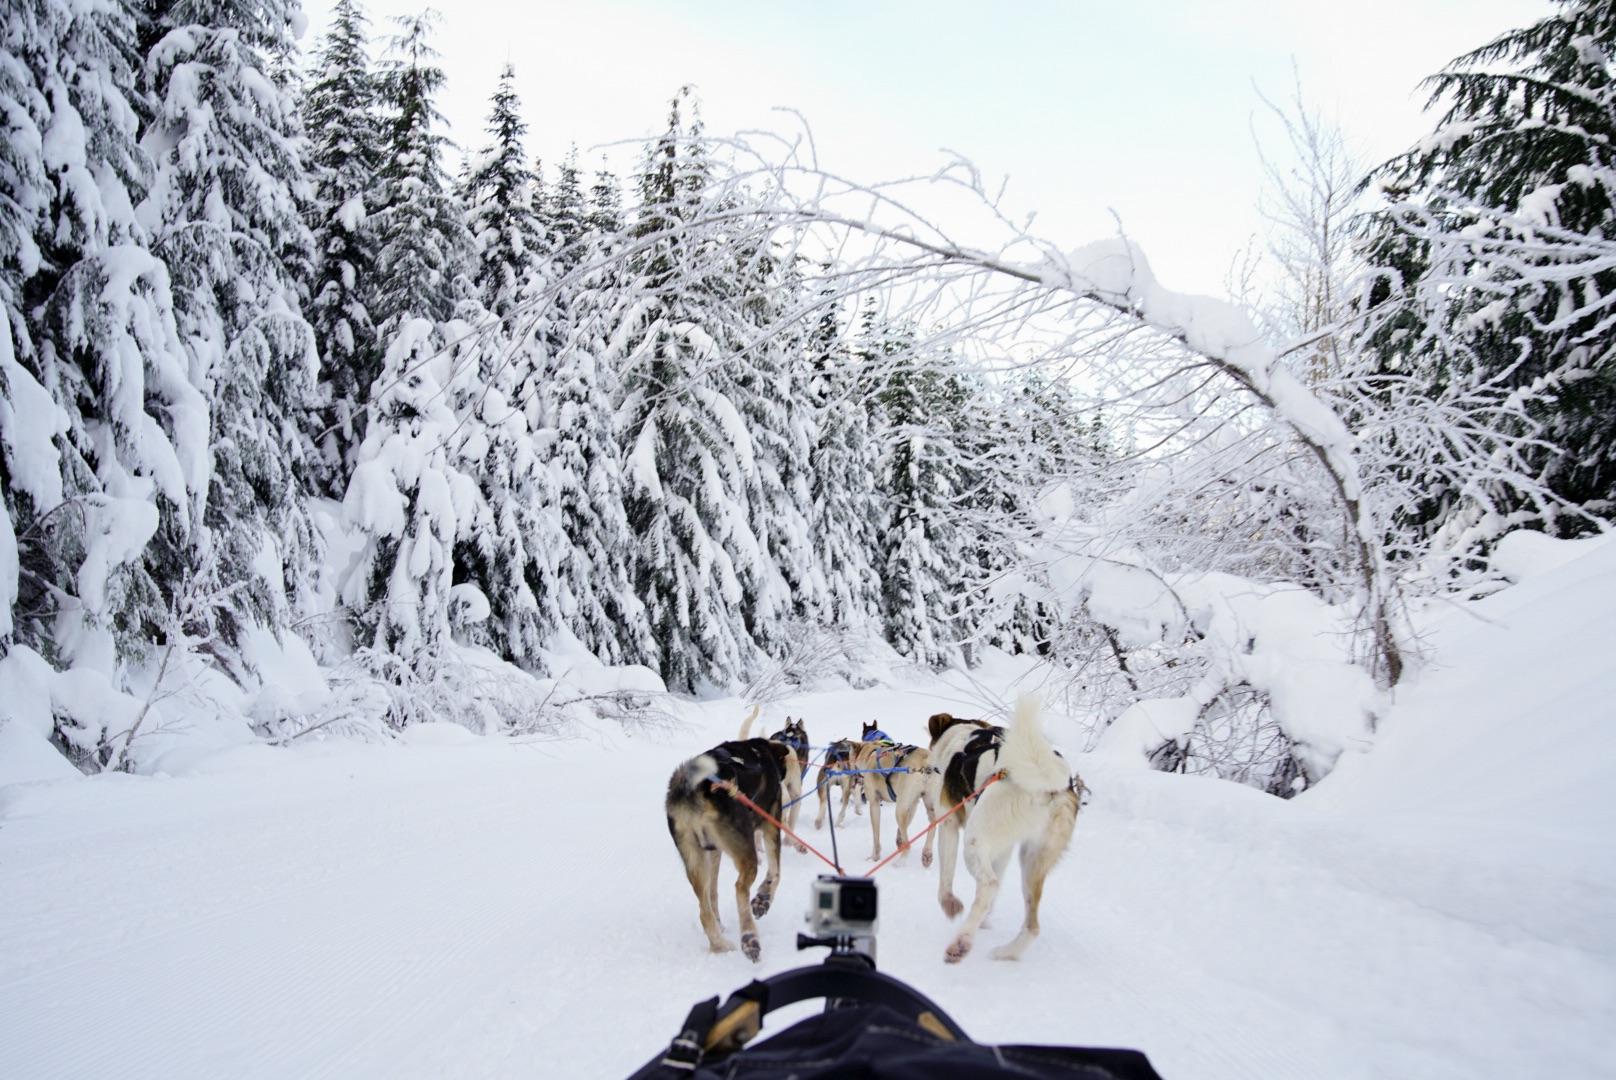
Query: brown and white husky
x,y
895,773
837,775
1033,806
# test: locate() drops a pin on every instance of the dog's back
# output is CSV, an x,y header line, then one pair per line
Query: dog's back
x,y
964,754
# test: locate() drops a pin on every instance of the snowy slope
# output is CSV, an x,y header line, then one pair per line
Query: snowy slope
x,y
1442,906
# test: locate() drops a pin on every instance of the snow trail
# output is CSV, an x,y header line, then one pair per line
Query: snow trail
x,y
1440,907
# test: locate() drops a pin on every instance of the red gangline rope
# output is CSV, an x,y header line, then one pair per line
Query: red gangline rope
x,y
933,825
729,785
741,795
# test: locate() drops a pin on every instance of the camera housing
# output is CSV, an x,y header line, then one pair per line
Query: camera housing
x,y
842,914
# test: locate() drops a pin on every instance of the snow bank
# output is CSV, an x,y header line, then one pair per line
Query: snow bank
x,y
26,720
1277,638
1525,554
28,757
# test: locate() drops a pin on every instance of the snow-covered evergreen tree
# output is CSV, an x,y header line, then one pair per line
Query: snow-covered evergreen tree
x,y
514,549
846,501
498,191
1497,232
690,460
767,378
422,240
566,214
339,112
412,499
573,307
605,215
105,443
927,571
30,468
223,212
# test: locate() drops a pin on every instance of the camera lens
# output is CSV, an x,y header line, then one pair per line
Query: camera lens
x,y
858,901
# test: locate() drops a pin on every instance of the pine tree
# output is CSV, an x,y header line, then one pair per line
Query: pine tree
x,y
228,150
566,215
339,112
926,572
105,444
30,467
413,501
846,503
605,205
770,378
1496,229
514,550
574,302
498,192
689,458
422,239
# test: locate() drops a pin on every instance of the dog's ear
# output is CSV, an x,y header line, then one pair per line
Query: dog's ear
x,y
871,726
938,724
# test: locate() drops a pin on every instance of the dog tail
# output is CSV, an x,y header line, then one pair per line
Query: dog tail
x,y
1026,758
746,728
688,777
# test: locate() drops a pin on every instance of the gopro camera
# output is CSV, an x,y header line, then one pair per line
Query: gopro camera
x,y
842,914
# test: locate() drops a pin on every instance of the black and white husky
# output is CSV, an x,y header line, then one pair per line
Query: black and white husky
x,y
707,821
1033,806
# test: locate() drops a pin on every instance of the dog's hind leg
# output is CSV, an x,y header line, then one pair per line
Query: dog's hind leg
x,y
988,869
904,811
874,797
713,858
771,878
931,834
743,853
793,795
1038,858
701,868
948,844
1036,863
846,784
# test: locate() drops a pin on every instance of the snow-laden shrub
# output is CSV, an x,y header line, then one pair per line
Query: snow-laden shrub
x,y
811,656
1210,673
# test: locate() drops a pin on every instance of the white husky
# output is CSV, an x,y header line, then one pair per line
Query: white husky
x,y
1032,806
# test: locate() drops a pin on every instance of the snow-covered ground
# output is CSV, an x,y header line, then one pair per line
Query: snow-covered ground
x,y
1443,905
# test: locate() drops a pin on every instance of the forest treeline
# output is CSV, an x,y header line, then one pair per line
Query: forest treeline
x,y
271,361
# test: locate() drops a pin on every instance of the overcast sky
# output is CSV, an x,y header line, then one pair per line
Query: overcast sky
x,y
1142,110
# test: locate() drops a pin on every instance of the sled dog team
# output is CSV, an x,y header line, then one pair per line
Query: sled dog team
x,y
1031,806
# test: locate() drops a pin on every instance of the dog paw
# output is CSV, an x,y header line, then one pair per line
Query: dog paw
x,y
925,858
723,945
952,906
1006,952
751,947
761,902
802,849
958,950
